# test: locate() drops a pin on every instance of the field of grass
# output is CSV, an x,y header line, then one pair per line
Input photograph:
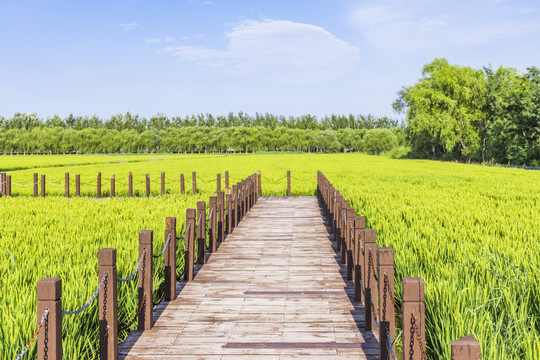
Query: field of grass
x,y
471,232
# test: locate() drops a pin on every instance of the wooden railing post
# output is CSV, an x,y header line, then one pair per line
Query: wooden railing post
x,y
413,318
212,208
113,186
3,181
189,244
108,304
218,183
370,284
201,232
49,296
234,207
42,186
228,220
226,179
260,183
359,225
147,185
386,301
221,216
288,182
98,192
8,185
466,348
349,240
170,259
194,182
66,186
130,184
182,188
78,185
146,240
162,183
343,230
35,184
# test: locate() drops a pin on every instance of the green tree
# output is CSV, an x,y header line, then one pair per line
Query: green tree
x,y
377,141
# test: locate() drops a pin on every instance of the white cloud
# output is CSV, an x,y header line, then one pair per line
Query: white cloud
x,y
436,24
278,50
159,40
129,26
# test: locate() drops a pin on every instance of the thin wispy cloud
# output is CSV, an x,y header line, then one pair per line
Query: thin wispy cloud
x,y
278,50
435,24
160,40
129,26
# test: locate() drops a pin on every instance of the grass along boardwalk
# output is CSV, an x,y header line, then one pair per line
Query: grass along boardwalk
x,y
274,290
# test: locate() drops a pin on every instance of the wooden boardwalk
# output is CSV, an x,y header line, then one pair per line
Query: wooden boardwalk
x,y
274,290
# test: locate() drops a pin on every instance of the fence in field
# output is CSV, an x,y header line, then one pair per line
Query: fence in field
x,y
371,269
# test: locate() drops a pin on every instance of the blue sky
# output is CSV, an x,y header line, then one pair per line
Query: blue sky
x,y
215,56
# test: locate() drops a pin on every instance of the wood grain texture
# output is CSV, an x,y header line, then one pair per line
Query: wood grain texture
x,y
273,290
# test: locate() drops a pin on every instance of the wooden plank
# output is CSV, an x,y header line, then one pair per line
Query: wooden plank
x,y
273,290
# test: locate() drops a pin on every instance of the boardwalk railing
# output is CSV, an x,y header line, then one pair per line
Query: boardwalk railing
x,y
372,270
127,183
222,218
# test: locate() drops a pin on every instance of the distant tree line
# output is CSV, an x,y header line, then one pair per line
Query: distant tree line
x,y
126,133
459,113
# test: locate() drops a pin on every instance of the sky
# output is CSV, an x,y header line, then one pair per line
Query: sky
x,y
289,57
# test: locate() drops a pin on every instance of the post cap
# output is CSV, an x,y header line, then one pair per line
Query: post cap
x,y
466,348
107,256
201,205
146,237
360,222
213,200
370,236
386,256
190,213
413,289
170,223
49,289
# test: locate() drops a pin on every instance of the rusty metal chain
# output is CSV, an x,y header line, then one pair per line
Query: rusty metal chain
x,y
411,342
373,267
385,291
46,340
369,270
34,336
417,330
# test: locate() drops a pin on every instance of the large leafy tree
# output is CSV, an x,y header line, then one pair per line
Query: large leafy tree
x,y
446,107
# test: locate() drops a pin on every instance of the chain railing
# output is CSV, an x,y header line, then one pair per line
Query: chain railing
x,y
34,336
92,298
141,259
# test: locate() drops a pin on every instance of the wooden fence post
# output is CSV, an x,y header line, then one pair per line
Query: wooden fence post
x,y
212,207
42,186
194,182
226,179
370,264
182,188
130,184
170,259
228,220
3,184
108,310
113,186
387,313
8,185
220,216
98,185
49,296
359,225
66,186
162,183
35,185
260,183
77,185
350,238
147,185
189,244
343,230
413,318
218,183
146,240
466,348
201,232
234,208
288,182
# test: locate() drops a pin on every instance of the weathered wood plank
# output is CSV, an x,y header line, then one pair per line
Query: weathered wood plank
x,y
273,290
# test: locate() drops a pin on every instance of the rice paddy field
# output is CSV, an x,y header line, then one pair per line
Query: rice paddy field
x,y
471,232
